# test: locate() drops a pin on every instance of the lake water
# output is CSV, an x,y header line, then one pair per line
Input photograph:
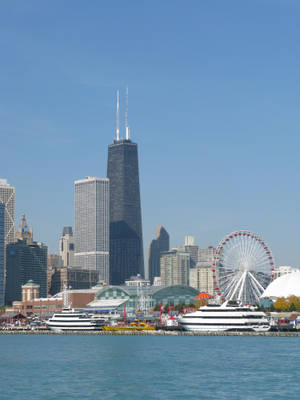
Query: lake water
x,y
143,367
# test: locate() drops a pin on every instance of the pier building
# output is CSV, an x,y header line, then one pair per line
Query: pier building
x,y
143,298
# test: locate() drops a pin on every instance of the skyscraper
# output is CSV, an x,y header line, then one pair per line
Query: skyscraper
x,y
24,262
159,244
202,276
7,196
126,238
92,225
67,247
174,268
192,249
206,256
2,255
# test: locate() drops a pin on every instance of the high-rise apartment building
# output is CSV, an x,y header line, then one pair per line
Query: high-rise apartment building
x,y
2,255
92,225
7,196
54,260
24,262
158,245
192,249
201,278
206,256
67,247
174,268
126,239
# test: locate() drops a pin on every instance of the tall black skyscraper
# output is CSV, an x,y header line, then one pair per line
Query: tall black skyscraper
x,y
126,238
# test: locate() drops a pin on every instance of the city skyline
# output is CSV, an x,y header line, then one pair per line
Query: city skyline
x,y
213,109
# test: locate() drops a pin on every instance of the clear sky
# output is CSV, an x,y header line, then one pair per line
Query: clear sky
x,y
214,100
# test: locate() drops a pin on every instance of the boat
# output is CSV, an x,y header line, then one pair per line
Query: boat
x,y
171,324
72,320
215,317
133,326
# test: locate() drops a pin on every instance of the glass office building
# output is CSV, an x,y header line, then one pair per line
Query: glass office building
x,y
126,239
7,197
24,262
158,245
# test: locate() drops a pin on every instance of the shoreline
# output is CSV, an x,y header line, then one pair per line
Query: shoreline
x,y
146,333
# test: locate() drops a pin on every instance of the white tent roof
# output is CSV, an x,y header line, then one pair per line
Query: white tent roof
x,y
107,303
284,286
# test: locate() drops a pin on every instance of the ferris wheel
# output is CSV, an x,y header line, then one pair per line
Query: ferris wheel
x,y
242,268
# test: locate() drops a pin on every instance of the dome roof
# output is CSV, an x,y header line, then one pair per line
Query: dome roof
x,y
284,286
31,283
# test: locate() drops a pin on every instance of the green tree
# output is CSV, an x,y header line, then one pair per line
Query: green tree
x,y
292,307
156,307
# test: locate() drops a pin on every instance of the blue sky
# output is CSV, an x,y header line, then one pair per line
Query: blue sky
x,y
213,105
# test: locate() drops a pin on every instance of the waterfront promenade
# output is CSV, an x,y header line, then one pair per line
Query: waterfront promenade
x,y
145,333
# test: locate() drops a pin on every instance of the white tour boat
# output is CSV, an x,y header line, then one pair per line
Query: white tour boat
x,y
225,318
72,320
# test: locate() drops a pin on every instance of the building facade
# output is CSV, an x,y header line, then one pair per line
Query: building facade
x,y
174,268
30,291
126,239
67,247
72,278
145,298
7,196
158,245
137,281
201,278
2,254
24,231
283,270
42,307
206,256
24,262
92,225
54,260
192,249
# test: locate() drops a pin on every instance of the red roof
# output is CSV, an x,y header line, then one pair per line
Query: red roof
x,y
203,296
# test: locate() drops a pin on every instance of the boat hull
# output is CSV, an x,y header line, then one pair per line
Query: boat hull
x,y
128,328
225,328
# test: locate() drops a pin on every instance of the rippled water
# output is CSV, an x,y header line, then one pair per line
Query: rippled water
x,y
144,367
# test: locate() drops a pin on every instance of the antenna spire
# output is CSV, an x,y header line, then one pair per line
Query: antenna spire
x,y
118,118
126,116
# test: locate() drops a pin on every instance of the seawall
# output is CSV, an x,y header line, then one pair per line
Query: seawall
x,y
146,333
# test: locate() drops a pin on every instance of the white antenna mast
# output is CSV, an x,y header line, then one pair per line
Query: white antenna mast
x,y
118,118
126,116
